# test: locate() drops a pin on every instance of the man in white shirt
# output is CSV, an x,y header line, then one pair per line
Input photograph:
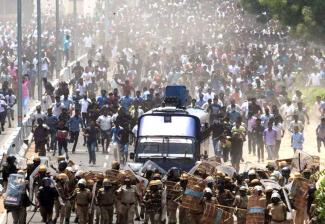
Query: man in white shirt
x,y
37,115
3,108
84,104
11,101
278,127
86,76
105,124
46,103
287,111
57,107
208,95
88,41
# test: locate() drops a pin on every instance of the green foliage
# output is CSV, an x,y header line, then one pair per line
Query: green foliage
x,y
310,94
306,18
320,200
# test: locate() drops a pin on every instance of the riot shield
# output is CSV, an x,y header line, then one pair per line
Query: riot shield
x,y
15,189
150,165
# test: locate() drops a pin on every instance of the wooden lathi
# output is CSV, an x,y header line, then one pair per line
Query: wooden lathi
x,y
213,214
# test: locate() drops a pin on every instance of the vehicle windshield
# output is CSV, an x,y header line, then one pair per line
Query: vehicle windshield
x,y
165,146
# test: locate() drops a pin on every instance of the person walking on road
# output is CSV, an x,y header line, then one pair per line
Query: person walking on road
x,y
25,94
258,133
46,197
74,124
297,139
270,141
51,121
62,138
3,112
320,133
91,133
105,124
40,137
11,101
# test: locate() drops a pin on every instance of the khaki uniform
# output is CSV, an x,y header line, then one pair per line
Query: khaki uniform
x,y
153,205
241,202
277,212
63,210
105,200
83,200
173,191
127,197
298,193
183,214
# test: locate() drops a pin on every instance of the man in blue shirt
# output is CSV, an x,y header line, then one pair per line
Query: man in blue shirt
x,y
67,102
125,102
102,99
51,121
201,101
74,128
66,48
138,97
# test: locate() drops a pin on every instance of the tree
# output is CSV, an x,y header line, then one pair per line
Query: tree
x,y
306,18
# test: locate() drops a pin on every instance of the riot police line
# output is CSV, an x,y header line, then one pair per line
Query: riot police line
x,y
211,192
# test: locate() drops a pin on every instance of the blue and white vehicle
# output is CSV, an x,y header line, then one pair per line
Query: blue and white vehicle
x,y
171,136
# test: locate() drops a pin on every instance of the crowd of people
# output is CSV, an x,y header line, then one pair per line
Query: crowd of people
x,y
49,66
245,75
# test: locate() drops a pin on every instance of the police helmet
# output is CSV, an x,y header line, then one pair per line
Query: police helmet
x,y
46,182
106,183
62,165
42,169
276,195
82,182
115,165
63,176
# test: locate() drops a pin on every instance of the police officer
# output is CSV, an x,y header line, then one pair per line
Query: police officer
x,y
286,171
173,176
181,187
240,202
115,165
19,213
127,196
46,197
8,169
277,210
63,208
31,167
153,202
38,179
82,197
105,200
90,186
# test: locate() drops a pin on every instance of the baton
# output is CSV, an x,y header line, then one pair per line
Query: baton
x,y
32,216
7,216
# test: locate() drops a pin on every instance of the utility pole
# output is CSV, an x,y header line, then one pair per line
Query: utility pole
x,y
75,29
20,66
39,46
57,38
106,22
